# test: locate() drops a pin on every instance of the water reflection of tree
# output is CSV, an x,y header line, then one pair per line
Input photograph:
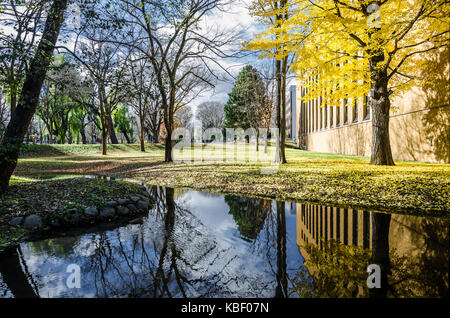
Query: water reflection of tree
x,y
425,275
268,232
17,280
177,260
338,270
282,280
249,214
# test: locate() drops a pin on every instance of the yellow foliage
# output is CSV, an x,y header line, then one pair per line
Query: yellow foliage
x,y
334,42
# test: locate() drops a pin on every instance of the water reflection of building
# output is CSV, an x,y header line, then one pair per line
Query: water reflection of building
x,y
415,248
350,227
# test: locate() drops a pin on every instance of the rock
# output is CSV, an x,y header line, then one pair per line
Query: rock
x,y
131,207
16,222
121,210
111,204
135,199
33,222
143,198
71,211
137,221
123,201
91,212
142,205
76,219
108,213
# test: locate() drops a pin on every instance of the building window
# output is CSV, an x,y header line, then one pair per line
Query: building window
x,y
338,116
316,102
355,110
346,111
366,108
321,114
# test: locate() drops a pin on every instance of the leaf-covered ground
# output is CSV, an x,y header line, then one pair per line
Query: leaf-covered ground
x,y
409,187
56,195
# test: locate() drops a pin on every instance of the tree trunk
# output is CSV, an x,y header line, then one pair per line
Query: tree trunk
x,y
257,139
142,135
125,134
380,105
83,135
283,113
104,141
112,132
13,99
380,251
168,146
29,97
278,112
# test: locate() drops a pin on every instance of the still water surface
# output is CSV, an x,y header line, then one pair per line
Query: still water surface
x,y
195,244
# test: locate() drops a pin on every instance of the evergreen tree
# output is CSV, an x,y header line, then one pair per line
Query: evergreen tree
x,y
241,98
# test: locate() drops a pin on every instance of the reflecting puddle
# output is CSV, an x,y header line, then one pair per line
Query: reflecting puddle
x,y
195,244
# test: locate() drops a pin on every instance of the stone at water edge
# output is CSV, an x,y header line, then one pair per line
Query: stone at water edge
x,y
71,211
142,205
123,201
121,210
16,222
135,199
33,222
91,212
131,207
111,204
108,213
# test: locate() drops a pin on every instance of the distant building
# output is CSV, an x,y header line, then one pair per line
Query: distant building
x,y
291,112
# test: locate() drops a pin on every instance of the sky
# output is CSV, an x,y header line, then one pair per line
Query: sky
x,y
236,16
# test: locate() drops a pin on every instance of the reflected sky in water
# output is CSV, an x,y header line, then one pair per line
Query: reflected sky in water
x,y
195,244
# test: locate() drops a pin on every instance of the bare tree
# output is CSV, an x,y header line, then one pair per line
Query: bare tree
x,y
262,107
4,113
179,50
141,85
185,116
104,62
21,22
211,114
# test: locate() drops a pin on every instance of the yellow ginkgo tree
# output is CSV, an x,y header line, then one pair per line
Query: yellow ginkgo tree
x,y
354,48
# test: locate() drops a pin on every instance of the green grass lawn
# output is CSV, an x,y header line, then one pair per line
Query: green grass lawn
x,y
346,181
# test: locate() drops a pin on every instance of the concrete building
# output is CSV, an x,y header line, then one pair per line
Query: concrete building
x,y
291,111
419,123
